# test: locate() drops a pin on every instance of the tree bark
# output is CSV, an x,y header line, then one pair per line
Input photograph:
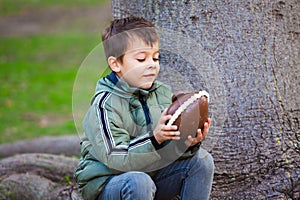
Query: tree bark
x,y
38,176
66,145
246,54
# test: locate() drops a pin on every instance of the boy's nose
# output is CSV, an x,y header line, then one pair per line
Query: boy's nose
x,y
151,63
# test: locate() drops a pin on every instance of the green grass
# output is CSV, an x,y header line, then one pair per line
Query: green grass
x,y
36,77
15,6
37,74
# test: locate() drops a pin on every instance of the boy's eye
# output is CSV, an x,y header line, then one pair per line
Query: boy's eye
x,y
141,59
155,59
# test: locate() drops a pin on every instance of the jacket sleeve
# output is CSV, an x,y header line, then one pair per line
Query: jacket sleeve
x,y
111,143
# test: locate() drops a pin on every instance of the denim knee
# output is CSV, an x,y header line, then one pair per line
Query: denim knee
x,y
139,185
208,161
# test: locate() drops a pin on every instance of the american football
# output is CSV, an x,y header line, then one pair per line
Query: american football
x,y
189,112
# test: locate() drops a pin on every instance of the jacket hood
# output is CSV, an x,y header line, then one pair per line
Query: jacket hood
x,y
113,84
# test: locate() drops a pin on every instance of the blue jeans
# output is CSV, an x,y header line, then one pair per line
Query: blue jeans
x,y
190,178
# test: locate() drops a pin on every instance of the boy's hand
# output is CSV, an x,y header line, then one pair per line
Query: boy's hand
x,y
200,135
162,132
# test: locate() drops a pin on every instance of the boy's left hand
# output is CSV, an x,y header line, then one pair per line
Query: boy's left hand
x,y
200,135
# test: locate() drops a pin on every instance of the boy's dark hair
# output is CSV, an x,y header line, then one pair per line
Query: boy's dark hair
x,y
117,36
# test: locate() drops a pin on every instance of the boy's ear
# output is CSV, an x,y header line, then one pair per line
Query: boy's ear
x,y
113,64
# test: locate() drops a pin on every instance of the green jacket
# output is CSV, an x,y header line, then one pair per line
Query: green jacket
x,y
118,134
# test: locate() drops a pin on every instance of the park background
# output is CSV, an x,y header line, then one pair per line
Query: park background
x,y
254,46
42,45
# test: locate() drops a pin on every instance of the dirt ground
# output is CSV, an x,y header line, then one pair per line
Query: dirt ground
x,y
55,20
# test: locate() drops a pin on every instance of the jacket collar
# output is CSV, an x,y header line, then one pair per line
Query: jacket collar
x,y
113,77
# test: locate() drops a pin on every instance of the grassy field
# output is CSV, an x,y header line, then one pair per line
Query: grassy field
x,y
16,6
37,74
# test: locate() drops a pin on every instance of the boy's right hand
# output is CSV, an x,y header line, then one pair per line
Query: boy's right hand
x,y
162,132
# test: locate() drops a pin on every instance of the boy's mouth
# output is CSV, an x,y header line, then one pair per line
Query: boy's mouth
x,y
149,75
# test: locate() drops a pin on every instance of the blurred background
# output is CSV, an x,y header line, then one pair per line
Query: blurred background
x,y
42,46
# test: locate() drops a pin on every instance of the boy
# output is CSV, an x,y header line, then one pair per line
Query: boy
x,y
128,151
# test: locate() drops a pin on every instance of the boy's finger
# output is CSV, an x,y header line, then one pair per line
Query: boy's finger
x,y
189,141
173,133
165,118
200,135
174,138
170,128
164,112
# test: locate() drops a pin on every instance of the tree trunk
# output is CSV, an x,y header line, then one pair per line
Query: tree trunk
x,y
38,176
66,145
246,54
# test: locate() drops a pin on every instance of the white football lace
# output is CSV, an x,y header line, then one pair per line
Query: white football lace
x,y
188,102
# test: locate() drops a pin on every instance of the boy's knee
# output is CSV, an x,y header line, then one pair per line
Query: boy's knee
x,y
140,184
141,179
209,163
207,160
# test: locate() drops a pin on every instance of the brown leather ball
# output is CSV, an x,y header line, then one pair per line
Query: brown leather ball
x,y
192,112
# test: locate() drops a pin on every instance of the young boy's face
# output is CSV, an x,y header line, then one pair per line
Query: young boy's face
x,y
140,65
